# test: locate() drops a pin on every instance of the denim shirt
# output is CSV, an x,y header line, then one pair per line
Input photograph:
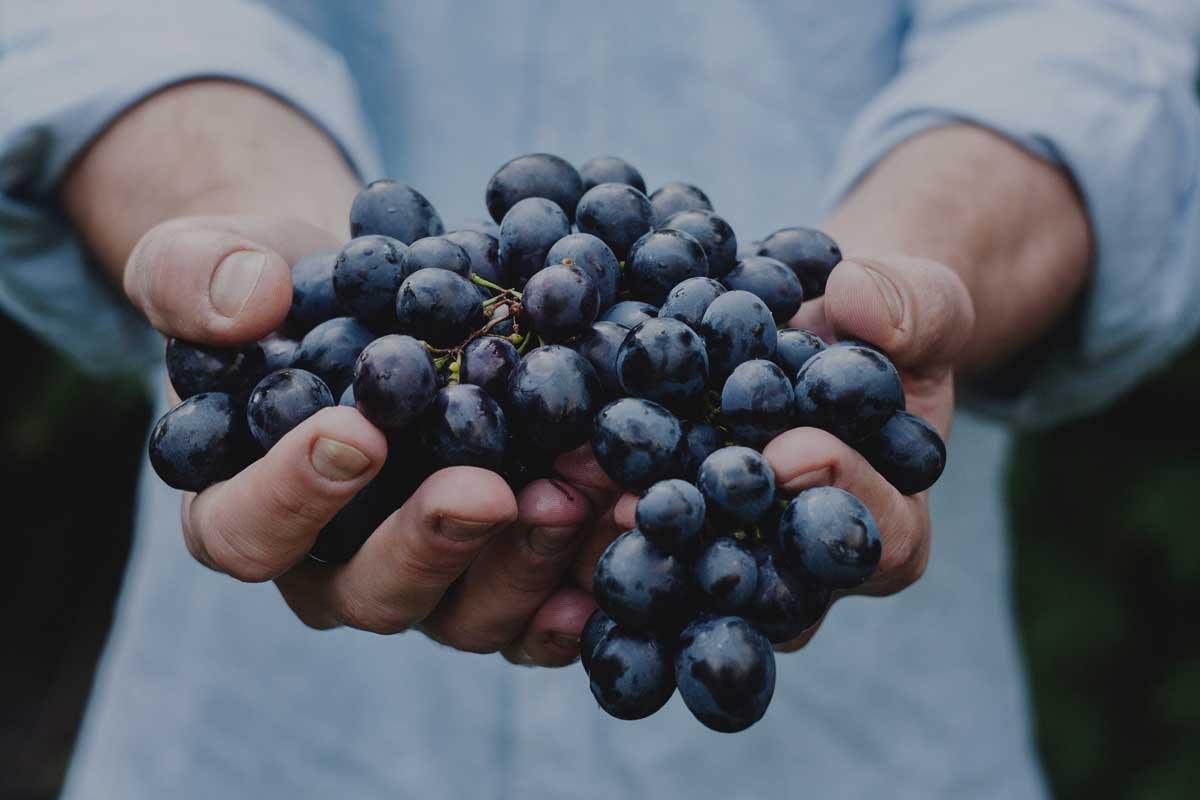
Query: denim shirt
x,y
211,688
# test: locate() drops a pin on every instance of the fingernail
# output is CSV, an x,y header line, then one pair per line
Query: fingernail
x,y
889,293
548,541
807,480
337,461
564,640
234,281
463,530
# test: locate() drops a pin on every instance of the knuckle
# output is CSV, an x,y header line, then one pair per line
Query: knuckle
x,y
906,560
290,503
471,641
371,616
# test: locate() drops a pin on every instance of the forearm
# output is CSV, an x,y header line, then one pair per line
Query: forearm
x,y
1010,224
208,147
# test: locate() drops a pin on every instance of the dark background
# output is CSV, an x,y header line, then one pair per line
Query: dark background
x,y
1107,574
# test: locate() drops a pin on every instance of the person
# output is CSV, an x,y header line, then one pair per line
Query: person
x,y
1013,186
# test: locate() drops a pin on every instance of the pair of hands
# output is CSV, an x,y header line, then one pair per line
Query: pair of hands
x,y
464,560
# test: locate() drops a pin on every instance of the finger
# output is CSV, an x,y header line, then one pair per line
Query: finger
x,y
219,280
808,457
811,317
552,637
405,567
603,530
580,468
263,520
625,511
514,574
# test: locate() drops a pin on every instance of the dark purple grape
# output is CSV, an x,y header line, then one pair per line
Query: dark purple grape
x,y
660,260
726,673
539,175
436,252
737,327
393,209
438,306
201,441
908,451
561,302
484,251
783,605
610,169
197,368
770,280
631,674
793,349
330,350
552,396
640,585
524,464
738,486
598,626
850,391
665,361
599,345
592,256
637,442
343,535
465,427
283,400
811,255
278,351
700,440
527,233
726,575
487,362
313,298
366,277
671,515
395,380
676,196
688,301
630,313
713,233
617,214
829,536
757,403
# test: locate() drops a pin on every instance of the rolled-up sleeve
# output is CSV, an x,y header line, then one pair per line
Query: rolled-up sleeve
x,y
1108,91
67,70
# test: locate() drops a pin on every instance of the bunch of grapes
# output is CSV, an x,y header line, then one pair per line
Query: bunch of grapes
x,y
591,313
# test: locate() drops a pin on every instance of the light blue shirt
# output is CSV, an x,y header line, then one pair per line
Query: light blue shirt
x,y
210,688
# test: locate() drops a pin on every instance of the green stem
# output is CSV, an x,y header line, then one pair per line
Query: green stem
x,y
495,287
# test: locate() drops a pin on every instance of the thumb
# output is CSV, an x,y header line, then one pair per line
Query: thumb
x,y
918,311
219,280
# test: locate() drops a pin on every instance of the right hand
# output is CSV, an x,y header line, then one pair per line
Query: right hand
x,y
463,559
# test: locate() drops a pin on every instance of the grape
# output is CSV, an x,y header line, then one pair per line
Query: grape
x,y
366,276
281,401
713,233
637,442
561,301
772,281
757,403
552,395
783,605
527,233
201,441
850,391
610,169
196,368
539,175
794,347
599,345
700,440
811,255
439,306
908,451
736,327
436,252
738,485
726,673
466,427
688,301
343,535
665,361
487,362
524,464
615,213
592,256
727,575
660,260
483,249
393,209
671,515
278,351
630,313
673,197
313,298
830,537
330,350
631,674
598,626
640,586
395,380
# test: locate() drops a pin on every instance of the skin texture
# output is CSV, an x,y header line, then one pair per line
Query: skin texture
x,y
960,248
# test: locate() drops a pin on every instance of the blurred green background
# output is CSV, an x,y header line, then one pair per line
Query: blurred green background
x,y
1107,574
